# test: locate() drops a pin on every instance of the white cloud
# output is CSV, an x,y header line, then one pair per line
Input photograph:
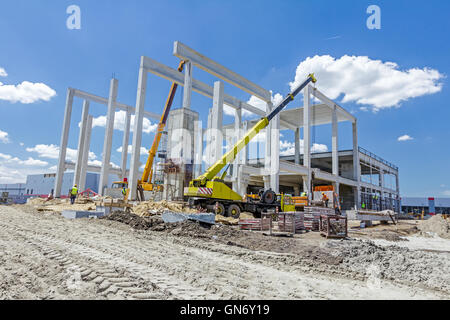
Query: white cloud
x,y
26,92
21,144
4,137
8,159
3,73
120,120
52,152
288,148
144,151
446,193
368,82
15,170
405,138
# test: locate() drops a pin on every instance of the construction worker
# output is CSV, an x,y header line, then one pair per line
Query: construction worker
x,y
73,194
363,205
304,194
325,199
124,192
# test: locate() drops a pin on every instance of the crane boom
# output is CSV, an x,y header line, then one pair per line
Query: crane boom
x,y
261,124
147,175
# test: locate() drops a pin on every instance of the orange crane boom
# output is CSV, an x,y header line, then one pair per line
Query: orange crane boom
x,y
146,181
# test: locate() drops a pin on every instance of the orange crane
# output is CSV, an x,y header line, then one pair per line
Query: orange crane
x,y
145,183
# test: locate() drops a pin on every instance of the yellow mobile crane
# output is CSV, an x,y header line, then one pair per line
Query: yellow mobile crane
x,y
145,183
209,191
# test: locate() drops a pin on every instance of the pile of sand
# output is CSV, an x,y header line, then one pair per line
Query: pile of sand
x,y
436,225
59,205
151,208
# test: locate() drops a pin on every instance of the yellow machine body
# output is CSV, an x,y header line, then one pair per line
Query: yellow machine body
x,y
213,190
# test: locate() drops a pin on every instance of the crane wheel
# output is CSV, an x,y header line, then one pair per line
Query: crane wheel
x,y
220,209
268,197
234,211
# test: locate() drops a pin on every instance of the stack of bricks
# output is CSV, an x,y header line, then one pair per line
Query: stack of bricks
x,y
312,217
254,224
286,226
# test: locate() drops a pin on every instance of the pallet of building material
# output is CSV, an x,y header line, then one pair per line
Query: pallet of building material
x,y
319,210
333,226
286,222
311,221
254,224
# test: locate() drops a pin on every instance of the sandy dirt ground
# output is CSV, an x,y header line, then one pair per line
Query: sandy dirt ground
x,y
44,256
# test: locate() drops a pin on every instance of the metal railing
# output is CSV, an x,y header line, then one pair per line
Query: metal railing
x,y
374,156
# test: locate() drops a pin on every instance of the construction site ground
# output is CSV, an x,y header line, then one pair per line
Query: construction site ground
x,y
125,256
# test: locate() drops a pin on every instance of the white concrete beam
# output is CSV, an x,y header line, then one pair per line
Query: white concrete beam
x,y
86,148
100,100
63,144
297,146
109,131
238,160
198,148
173,75
81,140
268,149
125,142
137,130
185,53
334,143
187,85
275,155
330,103
217,121
307,139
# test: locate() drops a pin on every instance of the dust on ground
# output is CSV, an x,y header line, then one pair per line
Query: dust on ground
x,y
126,256
59,205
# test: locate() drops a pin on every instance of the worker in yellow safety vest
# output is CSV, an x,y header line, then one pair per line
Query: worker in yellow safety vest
x,y
73,194
325,199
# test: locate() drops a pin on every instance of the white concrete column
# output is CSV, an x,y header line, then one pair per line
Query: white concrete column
x,y
187,93
109,131
334,142
307,138
63,145
81,139
237,137
198,148
245,150
217,121
297,146
208,149
275,155
356,162
268,148
137,130
125,142
86,148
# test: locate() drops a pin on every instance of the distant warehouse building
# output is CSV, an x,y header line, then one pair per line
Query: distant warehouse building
x,y
427,205
43,184
14,189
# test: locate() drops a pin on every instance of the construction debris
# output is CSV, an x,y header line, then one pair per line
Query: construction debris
x,y
150,208
436,225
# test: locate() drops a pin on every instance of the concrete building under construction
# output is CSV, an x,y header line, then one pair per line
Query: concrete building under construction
x,y
361,178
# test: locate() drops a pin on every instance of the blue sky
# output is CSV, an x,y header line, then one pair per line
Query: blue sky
x,y
263,40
